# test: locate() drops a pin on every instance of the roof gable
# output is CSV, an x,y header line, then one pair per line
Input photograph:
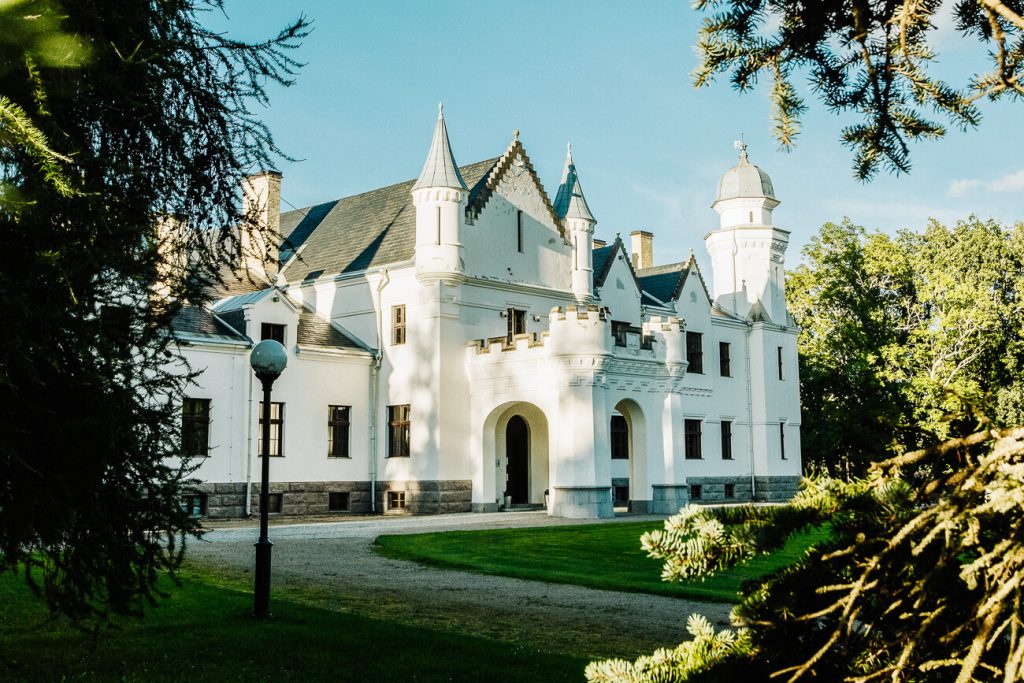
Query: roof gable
x,y
513,173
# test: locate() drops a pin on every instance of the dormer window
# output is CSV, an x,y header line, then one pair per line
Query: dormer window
x,y
273,331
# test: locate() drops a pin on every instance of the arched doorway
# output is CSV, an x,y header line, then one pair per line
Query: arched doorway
x,y
517,453
628,436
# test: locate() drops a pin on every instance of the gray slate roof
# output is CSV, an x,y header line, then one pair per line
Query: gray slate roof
x,y
359,232
197,321
665,282
601,261
744,180
569,200
440,169
315,331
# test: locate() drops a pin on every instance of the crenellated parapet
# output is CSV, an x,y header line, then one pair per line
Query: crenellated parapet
x,y
669,336
579,330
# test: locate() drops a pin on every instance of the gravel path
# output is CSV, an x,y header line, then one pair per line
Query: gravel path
x,y
332,564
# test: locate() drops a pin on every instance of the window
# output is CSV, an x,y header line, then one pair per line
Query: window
x,y
730,490
398,324
195,427
337,431
619,330
726,440
398,431
272,331
194,504
780,362
396,500
692,439
276,429
519,231
275,503
782,439
516,323
338,501
620,496
619,438
696,492
723,359
694,352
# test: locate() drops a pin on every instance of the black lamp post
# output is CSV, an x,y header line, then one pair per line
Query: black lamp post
x,y
268,359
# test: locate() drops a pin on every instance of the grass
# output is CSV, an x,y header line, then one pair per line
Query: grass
x,y
205,632
596,555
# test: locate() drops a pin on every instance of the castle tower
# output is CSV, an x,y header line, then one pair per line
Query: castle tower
x,y
571,207
440,196
747,251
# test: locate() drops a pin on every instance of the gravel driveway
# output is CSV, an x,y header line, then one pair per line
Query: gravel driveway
x,y
333,565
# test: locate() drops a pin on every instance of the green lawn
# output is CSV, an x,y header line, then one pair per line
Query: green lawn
x,y
206,632
596,555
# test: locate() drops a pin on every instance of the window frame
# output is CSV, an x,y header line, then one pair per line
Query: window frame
x,y
187,504
276,425
273,331
724,359
399,427
516,323
398,324
199,422
397,500
692,438
780,364
519,231
782,440
346,496
696,492
695,353
726,428
335,423
275,503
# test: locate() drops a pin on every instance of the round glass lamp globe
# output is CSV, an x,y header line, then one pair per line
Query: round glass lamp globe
x,y
268,358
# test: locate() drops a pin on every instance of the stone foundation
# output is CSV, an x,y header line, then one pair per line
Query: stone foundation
x,y
582,502
427,497
712,489
668,498
775,489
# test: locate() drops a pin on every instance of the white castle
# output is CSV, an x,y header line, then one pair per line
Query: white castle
x,y
462,343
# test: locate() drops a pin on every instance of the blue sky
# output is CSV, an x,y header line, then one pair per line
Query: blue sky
x,y
613,78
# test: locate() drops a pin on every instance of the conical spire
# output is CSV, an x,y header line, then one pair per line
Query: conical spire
x,y
569,200
440,169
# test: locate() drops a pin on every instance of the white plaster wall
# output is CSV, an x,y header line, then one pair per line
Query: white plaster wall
x,y
620,294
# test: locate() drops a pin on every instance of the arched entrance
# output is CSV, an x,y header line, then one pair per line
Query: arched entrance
x,y
628,436
517,452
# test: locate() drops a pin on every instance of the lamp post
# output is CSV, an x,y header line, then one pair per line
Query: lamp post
x,y
268,359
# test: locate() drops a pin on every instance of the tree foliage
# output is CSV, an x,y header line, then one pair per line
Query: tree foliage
x,y
921,579
114,116
898,331
873,58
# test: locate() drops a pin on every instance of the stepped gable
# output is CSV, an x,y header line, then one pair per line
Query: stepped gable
x,y
355,233
484,187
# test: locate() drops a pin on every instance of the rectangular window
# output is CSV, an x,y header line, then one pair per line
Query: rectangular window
x,y
398,324
519,231
696,492
516,323
337,431
723,359
398,431
620,496
619,438
782,439
396,500
338,501
695,352
272,331
276,429
619,330
194,504
691,433
195,427
730,490
780,362
275,503
726,440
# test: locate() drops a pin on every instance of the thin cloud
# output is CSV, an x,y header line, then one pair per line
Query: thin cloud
x,y
1011,182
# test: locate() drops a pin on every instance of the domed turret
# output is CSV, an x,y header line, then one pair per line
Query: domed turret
x,y
744,180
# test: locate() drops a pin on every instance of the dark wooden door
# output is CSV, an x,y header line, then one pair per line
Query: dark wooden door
x,y
517,453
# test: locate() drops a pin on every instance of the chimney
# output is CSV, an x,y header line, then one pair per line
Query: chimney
x,y
641,245
600,243
260,237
